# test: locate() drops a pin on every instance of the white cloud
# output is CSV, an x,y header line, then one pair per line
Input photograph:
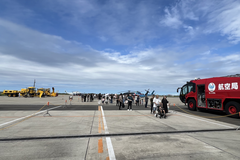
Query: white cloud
x,y
28,54
191,31
133,57
176,15
172,18
226,20
206,53
229,58
103,38
187,8
211,17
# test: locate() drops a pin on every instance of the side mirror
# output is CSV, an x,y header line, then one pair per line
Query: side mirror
x,y
178,89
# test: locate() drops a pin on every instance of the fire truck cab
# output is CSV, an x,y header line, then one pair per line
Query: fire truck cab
x,y
217,93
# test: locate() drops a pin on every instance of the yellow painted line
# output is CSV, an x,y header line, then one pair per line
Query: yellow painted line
x,y
100,142
100,146
22,120
206,116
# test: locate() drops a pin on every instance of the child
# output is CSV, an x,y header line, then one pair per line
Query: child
x,y
161,112
103,101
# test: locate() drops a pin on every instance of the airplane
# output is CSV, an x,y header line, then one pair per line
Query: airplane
x,y
138,93
146,94
127,92
76,93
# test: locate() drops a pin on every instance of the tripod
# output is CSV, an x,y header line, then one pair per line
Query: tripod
x,y
47,114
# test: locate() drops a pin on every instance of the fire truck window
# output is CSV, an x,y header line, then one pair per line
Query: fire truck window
x,y
190,88
184,90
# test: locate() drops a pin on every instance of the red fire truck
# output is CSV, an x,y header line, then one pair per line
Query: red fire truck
x,y
217,93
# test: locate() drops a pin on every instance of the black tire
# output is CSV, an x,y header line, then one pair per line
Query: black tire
x,y
192,105
232,108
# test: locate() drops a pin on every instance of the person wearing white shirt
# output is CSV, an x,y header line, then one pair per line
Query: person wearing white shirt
x,y
156,103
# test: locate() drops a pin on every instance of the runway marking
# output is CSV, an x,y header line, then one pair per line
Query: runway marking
x,y
108,139
100,140
100,146
29,116
183,114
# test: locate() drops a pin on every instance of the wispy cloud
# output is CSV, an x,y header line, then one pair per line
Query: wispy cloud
x,y
172,18
226,20
212,17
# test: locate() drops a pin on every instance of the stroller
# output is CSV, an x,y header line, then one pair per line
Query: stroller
x,y
161,112
106,102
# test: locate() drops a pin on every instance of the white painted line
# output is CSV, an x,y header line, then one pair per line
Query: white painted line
x,y
185,115
34,114
108,139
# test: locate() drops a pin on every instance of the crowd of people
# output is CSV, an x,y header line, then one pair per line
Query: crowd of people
x,y
121,100
158,107
85,97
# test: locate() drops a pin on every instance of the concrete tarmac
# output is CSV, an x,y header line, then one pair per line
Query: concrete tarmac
x,y
82,133
216,115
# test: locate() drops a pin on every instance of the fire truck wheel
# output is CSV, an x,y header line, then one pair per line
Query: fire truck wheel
x,y
232,108
192,104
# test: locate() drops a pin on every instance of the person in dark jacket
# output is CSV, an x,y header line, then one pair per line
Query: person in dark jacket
x,y
99,98
146,101
151,101
120,99
164,104
111,98
137,100
130,100
117,100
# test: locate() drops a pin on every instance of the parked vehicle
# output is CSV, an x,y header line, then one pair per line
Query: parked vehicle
x,y
217,93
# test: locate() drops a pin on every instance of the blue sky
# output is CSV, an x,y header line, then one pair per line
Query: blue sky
x,y
111,46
